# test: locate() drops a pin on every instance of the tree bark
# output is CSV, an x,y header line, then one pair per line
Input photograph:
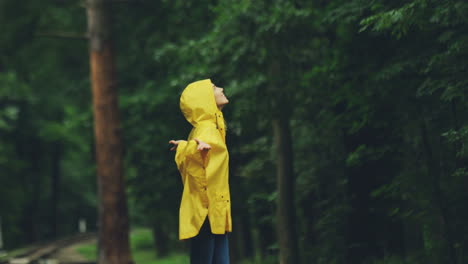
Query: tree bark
x,y
247,247
286,216
161,239
113,245
448,253
55,187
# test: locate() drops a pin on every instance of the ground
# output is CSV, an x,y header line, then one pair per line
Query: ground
x,y
70,254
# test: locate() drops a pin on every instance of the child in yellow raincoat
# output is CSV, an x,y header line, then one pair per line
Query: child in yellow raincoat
x,y
203,162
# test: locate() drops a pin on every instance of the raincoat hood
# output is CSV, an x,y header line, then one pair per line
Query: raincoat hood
x,y
198,104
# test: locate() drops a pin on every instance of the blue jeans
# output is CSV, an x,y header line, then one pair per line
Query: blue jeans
x,y
208,248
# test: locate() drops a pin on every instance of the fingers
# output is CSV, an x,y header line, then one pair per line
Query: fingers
x,y
175,143
203,146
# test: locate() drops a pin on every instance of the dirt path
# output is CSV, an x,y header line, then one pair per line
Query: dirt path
x,y
70,254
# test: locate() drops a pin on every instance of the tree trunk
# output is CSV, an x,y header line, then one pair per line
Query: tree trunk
x,y
55,186
241,240
113,216
433,168
161,240
247,245
286,218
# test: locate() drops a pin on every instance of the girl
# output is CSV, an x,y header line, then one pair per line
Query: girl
x,y
202,160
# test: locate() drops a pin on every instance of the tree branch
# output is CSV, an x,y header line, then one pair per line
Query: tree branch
x,y
62,34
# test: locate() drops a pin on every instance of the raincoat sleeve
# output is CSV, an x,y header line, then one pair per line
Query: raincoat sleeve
x,y
187,150
184,150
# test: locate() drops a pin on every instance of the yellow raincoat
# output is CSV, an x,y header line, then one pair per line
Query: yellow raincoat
x,y
205,179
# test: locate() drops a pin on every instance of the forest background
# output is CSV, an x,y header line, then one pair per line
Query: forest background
x,y
359,105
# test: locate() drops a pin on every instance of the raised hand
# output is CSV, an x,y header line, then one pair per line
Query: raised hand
x,y
202,146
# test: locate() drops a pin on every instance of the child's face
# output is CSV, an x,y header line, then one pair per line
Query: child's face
x,y
220,98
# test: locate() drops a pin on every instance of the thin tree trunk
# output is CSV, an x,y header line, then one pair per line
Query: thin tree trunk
x,y
161,239
241,240
286,216
235,242
37,189
113,216
434,173
247,245
55,186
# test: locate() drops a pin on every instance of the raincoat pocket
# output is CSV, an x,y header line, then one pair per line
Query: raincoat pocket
x,y
198,190
221,202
